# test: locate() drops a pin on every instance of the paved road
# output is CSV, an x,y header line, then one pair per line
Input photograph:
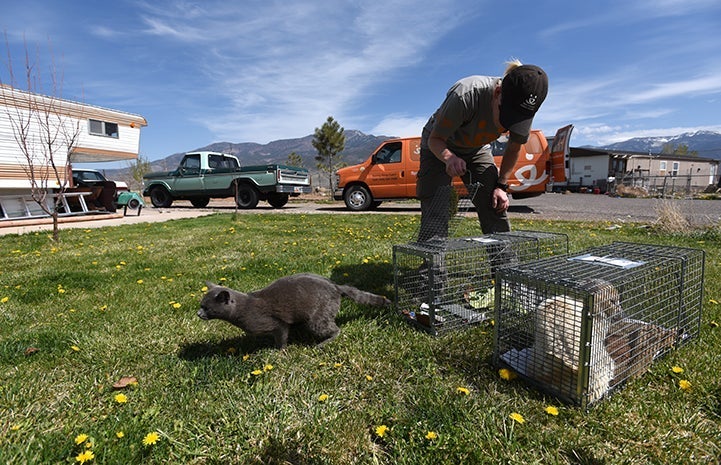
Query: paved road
x,y
581,207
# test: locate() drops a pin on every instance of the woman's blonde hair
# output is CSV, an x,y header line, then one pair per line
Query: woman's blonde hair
x,y
512,64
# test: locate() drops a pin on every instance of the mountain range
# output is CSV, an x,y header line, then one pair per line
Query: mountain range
x,y
358,146
706,144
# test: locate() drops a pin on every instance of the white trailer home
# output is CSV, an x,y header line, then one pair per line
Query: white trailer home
x,y
81,132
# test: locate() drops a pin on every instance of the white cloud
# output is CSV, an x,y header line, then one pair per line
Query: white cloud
x,y
282,74
400,126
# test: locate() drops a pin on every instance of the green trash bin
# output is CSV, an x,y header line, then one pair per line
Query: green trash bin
x,y
130,200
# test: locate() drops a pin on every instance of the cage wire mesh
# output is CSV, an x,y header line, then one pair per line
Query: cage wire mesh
x,y
579,327
444,282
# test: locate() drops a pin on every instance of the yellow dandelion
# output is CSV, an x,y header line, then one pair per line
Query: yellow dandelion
x,y
121,398
120,435
552,410
4,300
246,357
381,431
338,365
256,372
517,417
684,384
677,369
81,438
75,348
431,435
369,378
139,281
268,367
322,397
103,308
462,390
151,438
176,304
506,374
85,456
204,289
15,427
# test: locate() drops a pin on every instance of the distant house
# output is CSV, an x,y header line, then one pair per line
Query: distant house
x,y
104,135
596,167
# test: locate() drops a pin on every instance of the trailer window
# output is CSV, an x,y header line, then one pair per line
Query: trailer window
x,y
103,128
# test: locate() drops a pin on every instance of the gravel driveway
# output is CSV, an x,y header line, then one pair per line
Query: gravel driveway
x,y
578,207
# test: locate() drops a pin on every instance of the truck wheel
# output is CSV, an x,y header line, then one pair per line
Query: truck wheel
x,y
357,198
160,197
277,200
200,202
247,197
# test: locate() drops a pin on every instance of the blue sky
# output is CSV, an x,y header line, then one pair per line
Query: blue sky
x,y
257,71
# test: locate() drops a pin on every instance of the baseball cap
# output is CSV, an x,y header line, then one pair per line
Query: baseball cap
x,y
523,90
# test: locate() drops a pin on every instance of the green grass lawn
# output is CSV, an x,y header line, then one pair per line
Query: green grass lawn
x,y
77,316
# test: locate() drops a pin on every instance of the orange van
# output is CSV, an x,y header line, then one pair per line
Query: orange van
x,y
390,172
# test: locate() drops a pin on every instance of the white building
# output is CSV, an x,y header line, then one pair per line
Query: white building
x,y
592,168
101,135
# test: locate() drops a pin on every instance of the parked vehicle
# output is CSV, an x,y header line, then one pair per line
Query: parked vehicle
x,y
390,172
91,178
205,175
106,194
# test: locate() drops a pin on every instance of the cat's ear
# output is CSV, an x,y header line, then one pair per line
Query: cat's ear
x,y
223,297
210,285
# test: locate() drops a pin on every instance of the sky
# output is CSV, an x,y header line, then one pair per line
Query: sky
x,y
261,70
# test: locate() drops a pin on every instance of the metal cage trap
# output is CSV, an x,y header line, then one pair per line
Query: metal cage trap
x,y
444,283
580,326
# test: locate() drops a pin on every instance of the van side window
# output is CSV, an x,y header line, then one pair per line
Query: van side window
x,y
533,145
390,153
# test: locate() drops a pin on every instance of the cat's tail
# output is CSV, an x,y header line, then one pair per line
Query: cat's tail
x,y
363,297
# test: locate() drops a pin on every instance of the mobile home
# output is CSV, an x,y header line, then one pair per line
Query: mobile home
x,y
83,133
102,134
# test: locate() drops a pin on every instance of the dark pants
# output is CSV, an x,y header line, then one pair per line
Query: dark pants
x,y
434,192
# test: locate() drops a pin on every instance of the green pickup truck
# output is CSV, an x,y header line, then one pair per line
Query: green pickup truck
x,y
205,175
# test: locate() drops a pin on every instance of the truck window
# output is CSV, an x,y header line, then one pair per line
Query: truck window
x,y
228,162
215,161
390,153
191,162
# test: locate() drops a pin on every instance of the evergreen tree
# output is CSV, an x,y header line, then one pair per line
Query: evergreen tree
x,y
295,160
329,141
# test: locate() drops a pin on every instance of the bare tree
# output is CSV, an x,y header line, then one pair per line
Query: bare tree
x,y
139,168
45,134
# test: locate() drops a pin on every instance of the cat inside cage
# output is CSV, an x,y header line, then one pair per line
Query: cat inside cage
x,y
577,342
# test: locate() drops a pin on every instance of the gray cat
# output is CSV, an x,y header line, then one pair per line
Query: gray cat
x,y
301,299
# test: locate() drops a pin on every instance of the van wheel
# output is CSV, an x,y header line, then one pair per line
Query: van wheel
x,y
247,197
357,198
160,197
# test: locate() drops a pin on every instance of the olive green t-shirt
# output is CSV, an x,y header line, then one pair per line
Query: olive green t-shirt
x,y
465,118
